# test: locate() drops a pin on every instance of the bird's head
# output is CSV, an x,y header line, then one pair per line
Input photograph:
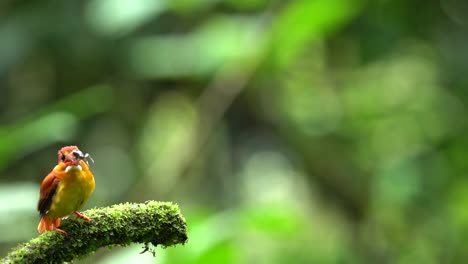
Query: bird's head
x,y
72,155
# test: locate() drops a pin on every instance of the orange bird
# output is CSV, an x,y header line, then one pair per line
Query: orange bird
x,y
65,189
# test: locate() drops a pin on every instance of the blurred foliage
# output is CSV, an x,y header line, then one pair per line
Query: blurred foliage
x,y
287,131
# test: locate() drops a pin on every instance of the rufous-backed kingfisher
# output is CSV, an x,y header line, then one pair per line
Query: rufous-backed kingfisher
x,y
65,189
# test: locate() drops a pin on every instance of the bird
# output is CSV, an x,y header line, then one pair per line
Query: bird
x,y
65,189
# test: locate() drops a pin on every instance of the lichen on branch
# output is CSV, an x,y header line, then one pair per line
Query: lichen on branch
x,y
158,223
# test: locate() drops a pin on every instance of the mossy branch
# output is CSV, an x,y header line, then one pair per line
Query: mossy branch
x,y
158,223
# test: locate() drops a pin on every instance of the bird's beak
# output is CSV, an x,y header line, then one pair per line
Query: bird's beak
x,y
78,155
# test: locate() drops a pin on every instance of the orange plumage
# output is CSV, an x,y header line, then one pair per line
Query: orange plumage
x,y
65,189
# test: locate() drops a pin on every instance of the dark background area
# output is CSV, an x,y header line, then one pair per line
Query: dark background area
x,y
287,131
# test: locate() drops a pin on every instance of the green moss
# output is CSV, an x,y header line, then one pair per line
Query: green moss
x,y
158,223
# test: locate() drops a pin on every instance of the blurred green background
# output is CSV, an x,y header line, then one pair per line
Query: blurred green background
x,y
314,131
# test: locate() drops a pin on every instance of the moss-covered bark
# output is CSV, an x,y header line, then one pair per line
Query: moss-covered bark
x,y
158,223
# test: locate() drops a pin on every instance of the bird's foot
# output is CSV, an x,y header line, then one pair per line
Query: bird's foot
x,y
79,215
60,230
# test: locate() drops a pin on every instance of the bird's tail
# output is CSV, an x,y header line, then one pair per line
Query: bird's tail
x,y
47,224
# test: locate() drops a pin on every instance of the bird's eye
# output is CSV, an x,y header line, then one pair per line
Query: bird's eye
x,y
62,157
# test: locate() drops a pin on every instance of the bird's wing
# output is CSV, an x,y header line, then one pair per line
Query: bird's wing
x,y
47,192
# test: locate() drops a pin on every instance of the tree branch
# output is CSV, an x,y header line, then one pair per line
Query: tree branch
x,y
158,223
